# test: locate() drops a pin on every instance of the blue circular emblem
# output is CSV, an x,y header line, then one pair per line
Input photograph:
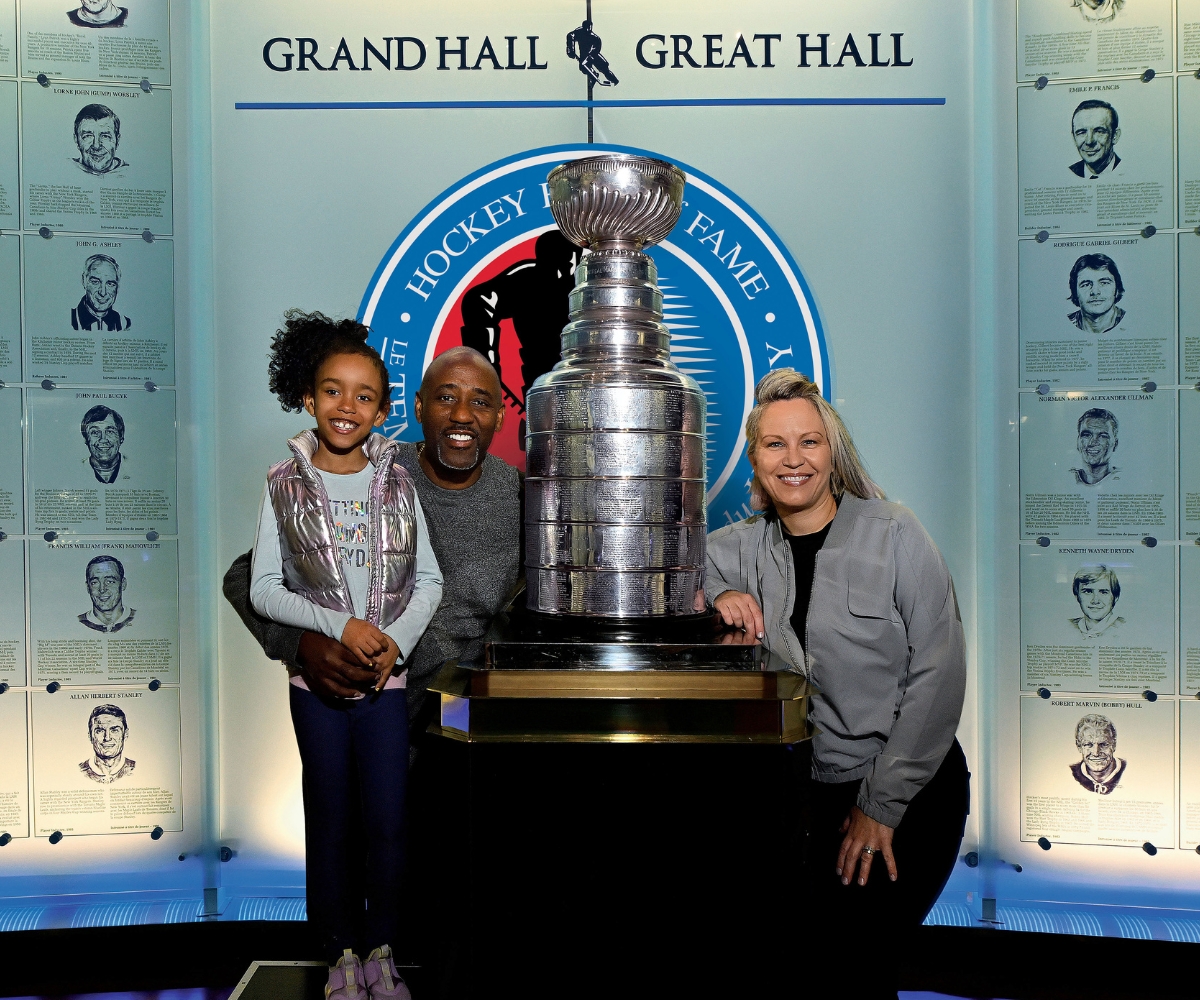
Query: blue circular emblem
x,y
484,265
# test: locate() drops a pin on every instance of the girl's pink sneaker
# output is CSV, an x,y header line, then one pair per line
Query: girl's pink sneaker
x,y
383,980
346,980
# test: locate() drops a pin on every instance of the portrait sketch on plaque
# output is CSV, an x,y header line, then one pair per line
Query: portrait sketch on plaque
x,y
12,510
8,37
1189,152
14,765
1098,618
102,461
1061,39
1098,465
1189,775
104,612
1095,156
1098,770
12,612
1189,464
10,216
99,310
100,40
1097,310
10,318
96,159
1189,621
106,761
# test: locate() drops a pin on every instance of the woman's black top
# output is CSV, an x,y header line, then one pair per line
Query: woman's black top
x,y
804,559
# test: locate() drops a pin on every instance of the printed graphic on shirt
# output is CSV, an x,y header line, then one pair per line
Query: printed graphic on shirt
x,y
350,530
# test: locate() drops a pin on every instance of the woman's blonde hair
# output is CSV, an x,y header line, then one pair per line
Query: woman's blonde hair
x,y
848,474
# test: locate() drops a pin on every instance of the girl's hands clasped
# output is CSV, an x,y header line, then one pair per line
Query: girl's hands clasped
x,y
365,641
864,839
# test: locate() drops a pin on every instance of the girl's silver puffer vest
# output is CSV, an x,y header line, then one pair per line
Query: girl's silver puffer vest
x,y
312,566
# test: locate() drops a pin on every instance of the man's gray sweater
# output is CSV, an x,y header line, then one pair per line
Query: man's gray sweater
x,y
476,536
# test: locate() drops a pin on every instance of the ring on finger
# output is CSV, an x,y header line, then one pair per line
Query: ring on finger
x,y
870,851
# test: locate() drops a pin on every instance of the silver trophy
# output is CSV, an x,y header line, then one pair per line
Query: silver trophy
x,y
615,452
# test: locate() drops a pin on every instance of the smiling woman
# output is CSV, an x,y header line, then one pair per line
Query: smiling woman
x,y
851,590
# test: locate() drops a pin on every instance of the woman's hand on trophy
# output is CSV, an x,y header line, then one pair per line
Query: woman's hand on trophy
x,y
864,839
741,611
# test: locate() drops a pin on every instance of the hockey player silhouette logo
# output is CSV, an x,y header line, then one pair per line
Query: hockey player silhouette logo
x,y
583,45
484,265
532,295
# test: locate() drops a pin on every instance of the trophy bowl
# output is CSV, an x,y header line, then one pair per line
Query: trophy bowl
x,y
616,201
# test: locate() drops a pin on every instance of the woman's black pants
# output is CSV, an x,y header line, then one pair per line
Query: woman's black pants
x,y
862,932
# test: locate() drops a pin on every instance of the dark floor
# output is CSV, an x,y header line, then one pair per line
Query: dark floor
x,y
204,961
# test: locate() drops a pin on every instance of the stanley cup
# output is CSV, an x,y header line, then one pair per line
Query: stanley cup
x,y
615,515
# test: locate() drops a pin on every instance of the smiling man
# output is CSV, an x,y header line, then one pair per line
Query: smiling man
x,y
101,283
97,135
1095,128
1099,768
1097,590
1096,441
1096,288
105,580
472,506
103,432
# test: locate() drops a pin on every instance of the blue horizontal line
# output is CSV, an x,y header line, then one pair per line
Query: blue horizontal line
x,y
691,102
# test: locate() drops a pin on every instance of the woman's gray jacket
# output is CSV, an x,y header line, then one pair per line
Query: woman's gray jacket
x,y
885,642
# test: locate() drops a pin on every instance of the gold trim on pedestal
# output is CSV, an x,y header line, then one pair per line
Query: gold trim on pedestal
x,y
630,706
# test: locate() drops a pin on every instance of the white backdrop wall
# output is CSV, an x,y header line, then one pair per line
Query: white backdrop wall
x,y
874,203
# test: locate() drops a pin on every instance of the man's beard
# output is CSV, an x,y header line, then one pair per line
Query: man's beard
x,y
475,459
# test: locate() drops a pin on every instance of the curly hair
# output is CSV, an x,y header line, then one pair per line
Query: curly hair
x,y
304,343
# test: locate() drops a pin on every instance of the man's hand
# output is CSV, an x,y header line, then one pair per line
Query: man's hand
x,y
330,669
364,640
741,611
862,833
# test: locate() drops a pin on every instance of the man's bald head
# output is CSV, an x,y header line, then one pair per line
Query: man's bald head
x,y
461,356
460,407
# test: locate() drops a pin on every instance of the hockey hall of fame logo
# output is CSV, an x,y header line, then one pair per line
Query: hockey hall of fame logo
x,y
484,265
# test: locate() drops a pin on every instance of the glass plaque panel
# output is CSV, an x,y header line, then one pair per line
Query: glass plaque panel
x,y
96,159
1097,310
106,761
14,765
12,612
9,199
104,611
1189,775
1070,38
102,461
99,310
1189,621
10,315
97,39
1098,465
1189,151
1095,156
1189,308
12,520
1098,770
1098,617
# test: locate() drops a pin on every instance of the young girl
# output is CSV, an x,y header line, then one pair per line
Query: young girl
x,y
342,549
